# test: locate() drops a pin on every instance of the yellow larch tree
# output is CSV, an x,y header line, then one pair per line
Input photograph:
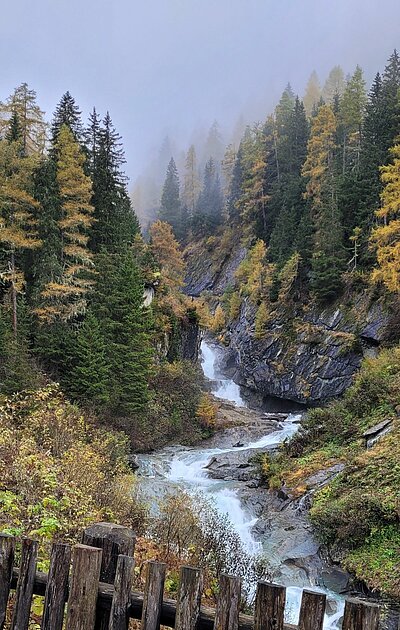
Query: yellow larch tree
x,y
386,238
66,296
166,251
18,231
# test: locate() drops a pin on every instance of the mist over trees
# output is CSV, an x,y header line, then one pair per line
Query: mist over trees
x,y
309,180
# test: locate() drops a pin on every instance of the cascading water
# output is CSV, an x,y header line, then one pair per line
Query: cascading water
x,y
186,467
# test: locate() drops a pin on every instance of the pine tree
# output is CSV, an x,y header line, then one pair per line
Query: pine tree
x,y
170,210
65,296
312,94
89,376
386,237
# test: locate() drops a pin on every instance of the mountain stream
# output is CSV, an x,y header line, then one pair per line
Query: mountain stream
x,y
186,467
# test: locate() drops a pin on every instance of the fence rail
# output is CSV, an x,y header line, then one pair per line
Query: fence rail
x,y
89,587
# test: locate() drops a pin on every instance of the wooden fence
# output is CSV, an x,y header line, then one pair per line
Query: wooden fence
x,y
90,587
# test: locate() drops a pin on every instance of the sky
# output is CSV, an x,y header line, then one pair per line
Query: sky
x,y
173,66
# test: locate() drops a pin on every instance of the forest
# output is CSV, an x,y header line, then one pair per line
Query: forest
x,y
100,334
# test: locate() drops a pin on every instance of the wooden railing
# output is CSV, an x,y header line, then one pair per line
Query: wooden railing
x,y
90,587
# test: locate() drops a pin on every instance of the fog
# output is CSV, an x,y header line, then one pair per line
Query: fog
x,y
172,67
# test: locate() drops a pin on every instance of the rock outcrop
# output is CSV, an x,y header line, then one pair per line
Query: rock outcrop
x,y
309,356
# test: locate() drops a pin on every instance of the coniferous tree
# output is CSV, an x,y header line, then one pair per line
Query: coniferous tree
x,y
234,191
312,94
191,184
130,353
115,223
18,213
67,113
170,210
208,215
321,191
214,147
32,129
386,237
89,377
334,85
65,296
351,114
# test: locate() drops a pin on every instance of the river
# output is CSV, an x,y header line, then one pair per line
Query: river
x,y
183,467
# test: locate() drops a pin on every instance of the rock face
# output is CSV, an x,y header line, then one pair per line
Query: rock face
x,y
207,272
308,356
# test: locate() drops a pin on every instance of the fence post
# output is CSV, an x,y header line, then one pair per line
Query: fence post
x,y
57,587
114,540
312,611
24,591
189,597
153,595
119,616
7,550
360,615
228,604
82,600
270,607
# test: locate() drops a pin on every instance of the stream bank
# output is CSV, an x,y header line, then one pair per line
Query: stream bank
x,y
267,523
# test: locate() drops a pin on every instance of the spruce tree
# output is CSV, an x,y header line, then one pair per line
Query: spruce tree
x,y
89,377
170,210
191,184
115,223
208,215
129,350
67,113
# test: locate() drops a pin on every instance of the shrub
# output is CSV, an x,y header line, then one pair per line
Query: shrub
x,y
46,449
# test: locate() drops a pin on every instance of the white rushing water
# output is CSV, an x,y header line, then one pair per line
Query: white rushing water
x,y
186,467
225,388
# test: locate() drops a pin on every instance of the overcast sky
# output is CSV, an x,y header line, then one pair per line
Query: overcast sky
x,y
170,66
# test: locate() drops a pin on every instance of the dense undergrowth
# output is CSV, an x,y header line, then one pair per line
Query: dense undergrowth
x,y
356,514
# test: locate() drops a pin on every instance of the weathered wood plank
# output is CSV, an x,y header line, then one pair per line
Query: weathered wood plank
x,y
270,607
189,597
119,616
168,611
153,595
114,540
25,584
7,551
360,615
312,611
85,575
228,604
57,587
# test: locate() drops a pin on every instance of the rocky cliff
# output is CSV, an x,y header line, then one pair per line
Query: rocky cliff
x,y
307,354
